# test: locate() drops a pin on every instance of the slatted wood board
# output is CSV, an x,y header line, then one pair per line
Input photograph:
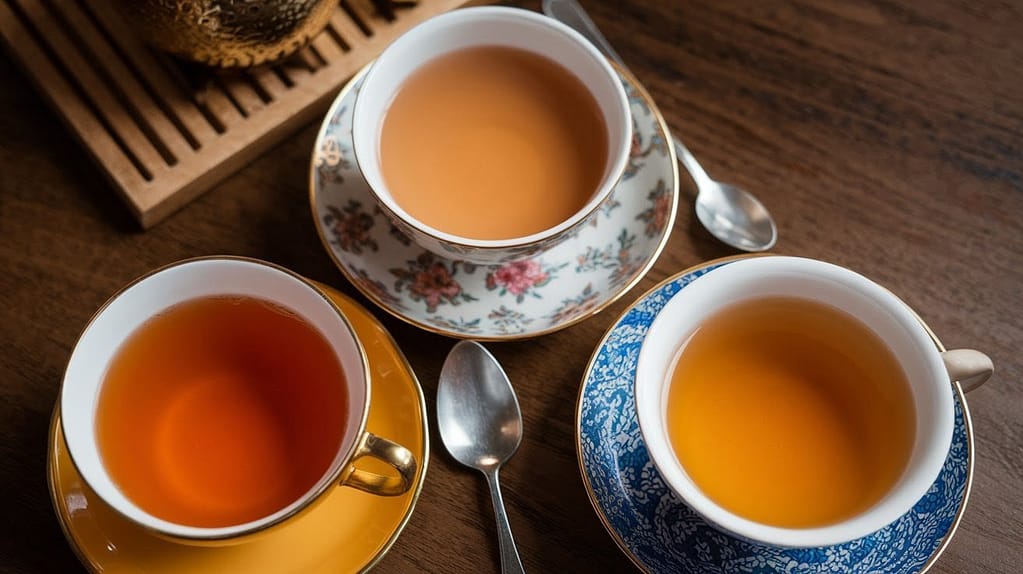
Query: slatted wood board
x,y
164,131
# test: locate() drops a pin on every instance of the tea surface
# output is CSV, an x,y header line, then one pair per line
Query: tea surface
x,y
493,143
790,413
221,410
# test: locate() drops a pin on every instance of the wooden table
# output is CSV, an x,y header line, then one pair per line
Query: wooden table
x,y
886,137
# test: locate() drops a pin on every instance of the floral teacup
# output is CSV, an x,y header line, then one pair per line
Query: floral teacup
x,y
486,27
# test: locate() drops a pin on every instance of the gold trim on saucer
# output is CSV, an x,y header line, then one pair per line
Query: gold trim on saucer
x,y
311,498
669,224
89,540
591,495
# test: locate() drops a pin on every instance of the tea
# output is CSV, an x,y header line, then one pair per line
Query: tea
x,y
220,411
493,143
790,413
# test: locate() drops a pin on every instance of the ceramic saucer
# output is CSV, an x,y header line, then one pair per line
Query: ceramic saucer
x,y
348,532
548,292
661,534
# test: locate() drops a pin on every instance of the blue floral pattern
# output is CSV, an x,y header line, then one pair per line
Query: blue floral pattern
x,y
548,291
662,534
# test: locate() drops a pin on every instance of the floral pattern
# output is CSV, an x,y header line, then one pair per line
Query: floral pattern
x,y
509,320
656,140
662,534
576,306
520,278
431,280
540,294
377,288
350,227
656,217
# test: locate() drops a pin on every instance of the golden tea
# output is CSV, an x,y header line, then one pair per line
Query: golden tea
x,y
790,413
220,411
493,143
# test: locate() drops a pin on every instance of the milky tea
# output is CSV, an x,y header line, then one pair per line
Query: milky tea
x,y
493,143
789,412
220,411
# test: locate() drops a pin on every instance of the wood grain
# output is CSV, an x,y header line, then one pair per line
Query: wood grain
x,y
163,147
884,136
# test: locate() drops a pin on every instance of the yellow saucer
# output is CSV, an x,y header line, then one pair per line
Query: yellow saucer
x,y
348,532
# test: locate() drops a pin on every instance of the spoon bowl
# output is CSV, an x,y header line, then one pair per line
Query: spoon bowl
x,y
481,425
735,217
477,411
729,213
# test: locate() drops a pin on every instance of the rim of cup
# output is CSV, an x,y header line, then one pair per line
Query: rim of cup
x,y
146,296
466,28
873,305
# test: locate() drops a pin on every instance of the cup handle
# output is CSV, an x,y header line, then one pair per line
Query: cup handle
x,y
389,452
971,368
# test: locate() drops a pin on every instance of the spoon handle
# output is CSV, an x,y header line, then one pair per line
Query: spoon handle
x,y
510,563
692,166
571,13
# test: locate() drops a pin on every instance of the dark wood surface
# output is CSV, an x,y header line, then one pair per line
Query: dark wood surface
x,y
884,136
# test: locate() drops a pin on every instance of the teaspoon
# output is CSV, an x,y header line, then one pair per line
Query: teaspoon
x,y
729,213
481,426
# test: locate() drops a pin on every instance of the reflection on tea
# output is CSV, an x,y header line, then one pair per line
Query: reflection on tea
x,y
790,413
221,410
493,143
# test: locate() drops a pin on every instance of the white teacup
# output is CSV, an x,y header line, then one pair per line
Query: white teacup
x,y
928,373
192,279
478,27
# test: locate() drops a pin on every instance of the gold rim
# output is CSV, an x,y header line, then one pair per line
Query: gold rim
x,y
967,421
430,231
93,567
51,485
421,398
334,475
668,228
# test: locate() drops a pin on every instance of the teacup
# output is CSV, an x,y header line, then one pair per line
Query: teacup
x,y
782,318
218,397
481,177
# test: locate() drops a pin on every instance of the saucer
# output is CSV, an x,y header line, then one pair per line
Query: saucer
x,y
550,291
659,533
349,531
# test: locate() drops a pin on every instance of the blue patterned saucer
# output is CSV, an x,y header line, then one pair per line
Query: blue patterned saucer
x,y
661,534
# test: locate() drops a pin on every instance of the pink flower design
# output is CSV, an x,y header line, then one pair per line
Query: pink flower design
x,y
518,278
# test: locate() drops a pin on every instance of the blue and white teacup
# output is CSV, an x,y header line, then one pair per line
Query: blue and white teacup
x,y
928,371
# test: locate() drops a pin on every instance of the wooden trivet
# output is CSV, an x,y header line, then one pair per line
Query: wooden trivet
x,y
164,131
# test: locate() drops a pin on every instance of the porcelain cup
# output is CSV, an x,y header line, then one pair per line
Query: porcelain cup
x,y
930,374
488,26
152,294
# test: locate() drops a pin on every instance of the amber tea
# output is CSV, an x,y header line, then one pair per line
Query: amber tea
x,y
789,412
220,411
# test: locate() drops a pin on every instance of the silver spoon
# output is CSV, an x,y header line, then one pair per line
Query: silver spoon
x,y
481,426
730,213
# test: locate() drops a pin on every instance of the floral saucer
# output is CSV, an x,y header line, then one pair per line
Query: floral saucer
x,y
348,532
661,534
548,292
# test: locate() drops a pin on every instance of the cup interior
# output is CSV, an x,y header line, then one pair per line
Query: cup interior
x,y
154,293
488,26
882,312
